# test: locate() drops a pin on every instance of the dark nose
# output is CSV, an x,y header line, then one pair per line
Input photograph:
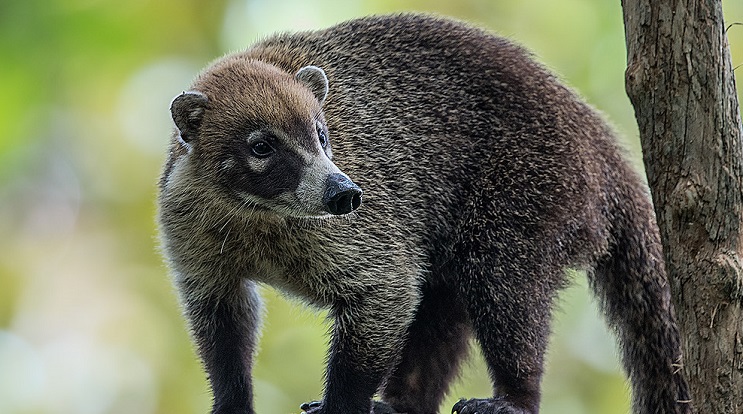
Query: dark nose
x,y
342,196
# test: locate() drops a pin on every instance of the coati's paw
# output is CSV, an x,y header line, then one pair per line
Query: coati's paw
x,y
378,407
487,406
381,407
310,407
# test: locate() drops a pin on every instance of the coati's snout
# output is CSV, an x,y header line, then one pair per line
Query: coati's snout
x,y
341,196
325,190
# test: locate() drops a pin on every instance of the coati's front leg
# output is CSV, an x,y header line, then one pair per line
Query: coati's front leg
x,y
437,342
367,338
224,323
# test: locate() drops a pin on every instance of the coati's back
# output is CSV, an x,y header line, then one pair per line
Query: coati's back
x,y
432,112
483,178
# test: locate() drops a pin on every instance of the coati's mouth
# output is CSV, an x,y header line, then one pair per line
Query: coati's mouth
x,y
340,197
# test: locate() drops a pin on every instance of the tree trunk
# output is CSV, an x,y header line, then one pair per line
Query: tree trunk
x,y
681,84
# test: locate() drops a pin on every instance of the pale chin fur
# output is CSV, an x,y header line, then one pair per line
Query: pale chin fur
x,y
252,205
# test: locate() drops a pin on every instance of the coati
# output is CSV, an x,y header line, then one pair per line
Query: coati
x,y
483,178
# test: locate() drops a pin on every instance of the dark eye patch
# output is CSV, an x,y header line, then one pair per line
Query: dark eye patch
x,y
280,172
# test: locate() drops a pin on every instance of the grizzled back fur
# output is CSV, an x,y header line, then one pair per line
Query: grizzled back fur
x,y
483,179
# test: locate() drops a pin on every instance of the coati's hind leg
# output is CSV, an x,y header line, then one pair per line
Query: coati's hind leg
x,y
437,341
509,298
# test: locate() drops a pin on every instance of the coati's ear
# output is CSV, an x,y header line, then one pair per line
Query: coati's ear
x,y
315,79
187,110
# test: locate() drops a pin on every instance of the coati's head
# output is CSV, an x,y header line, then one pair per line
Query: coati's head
x,y
260,135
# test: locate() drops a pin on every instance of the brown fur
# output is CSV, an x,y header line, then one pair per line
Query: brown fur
x,y
483,179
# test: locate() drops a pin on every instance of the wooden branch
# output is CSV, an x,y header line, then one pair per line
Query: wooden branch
x,y
680,80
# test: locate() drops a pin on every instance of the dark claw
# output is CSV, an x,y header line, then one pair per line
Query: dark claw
x,y
379,407
486,406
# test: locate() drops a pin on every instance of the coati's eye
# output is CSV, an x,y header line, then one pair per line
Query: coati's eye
x,y
322,136
261,149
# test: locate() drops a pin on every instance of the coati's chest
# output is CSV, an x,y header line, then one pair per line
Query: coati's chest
x,y
301,259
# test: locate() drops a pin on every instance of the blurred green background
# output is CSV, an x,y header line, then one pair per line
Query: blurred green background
x,y
88,319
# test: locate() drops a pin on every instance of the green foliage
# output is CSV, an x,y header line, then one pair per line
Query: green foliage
x,y
89,322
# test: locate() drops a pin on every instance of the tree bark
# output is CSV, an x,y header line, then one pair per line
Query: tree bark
x,y
680,80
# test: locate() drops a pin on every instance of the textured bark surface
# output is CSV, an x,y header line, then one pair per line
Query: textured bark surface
x,y
681,84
